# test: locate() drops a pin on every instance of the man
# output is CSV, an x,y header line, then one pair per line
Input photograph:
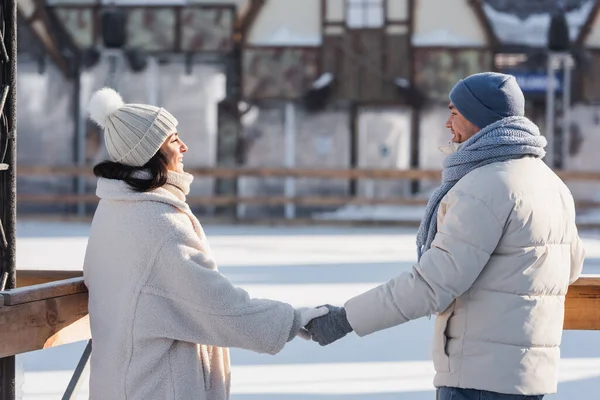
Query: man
x,y
497,249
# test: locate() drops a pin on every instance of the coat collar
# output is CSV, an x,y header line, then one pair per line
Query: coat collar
x,y
112,189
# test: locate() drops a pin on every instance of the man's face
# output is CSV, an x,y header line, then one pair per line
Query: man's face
x,y
460,127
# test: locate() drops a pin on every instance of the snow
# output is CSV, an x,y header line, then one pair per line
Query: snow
x,y
284,36
323,80
402,82
305,266
375,213
533,30
442,37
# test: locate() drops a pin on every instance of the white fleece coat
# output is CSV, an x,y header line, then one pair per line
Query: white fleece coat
x,y
497,273
161,314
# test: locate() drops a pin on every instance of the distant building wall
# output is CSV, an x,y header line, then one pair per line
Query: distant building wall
x,y
287,23
447,23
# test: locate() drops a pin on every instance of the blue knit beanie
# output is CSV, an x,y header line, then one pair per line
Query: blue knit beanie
x,y
488,97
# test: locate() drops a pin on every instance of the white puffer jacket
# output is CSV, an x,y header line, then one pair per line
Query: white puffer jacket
x,y
497,273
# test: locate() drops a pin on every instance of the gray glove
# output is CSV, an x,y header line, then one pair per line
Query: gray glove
x,y
330,327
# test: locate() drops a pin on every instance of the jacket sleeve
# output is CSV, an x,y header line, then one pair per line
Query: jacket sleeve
x,y
465,239
577,257
185,298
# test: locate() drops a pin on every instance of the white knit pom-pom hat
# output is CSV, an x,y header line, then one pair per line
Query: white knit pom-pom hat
x,y
133,133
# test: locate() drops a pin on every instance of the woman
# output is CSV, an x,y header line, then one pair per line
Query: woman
x,y
161,314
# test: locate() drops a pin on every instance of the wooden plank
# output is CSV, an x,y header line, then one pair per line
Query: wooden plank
x,y
588,280
57,198
247,17
296,172
60,320
321,200
227,200
43,291
44,170
582,306
263,172
42,324
35,277
578,175
232,200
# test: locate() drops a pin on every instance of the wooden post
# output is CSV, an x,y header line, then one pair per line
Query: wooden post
x,y
229,146
8,173
354,147
229,130
290,157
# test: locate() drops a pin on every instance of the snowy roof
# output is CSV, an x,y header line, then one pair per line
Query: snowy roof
x,y
523,9
284,36
527,24
443,37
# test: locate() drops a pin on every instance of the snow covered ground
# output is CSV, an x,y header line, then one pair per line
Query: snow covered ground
x,y
304,266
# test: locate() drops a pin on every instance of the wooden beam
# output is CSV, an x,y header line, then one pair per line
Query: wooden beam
x,y
57,198
588,24
233,200
42,316
582,306
43,323
485,23
247,20
35,277
321,173
40,26
578,175
229,173
38,322
42,291
44,170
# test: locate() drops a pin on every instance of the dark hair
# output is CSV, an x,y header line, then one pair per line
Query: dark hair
x,y
156,166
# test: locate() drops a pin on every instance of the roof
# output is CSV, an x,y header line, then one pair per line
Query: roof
x,y
523,9
518,22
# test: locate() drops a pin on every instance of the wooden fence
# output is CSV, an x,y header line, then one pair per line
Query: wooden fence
x,y
232,173
49,308
51,312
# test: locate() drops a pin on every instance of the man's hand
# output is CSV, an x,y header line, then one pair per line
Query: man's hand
x,y
330,327
307,315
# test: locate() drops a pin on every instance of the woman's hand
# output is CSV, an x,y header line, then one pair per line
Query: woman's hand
x,y
307,314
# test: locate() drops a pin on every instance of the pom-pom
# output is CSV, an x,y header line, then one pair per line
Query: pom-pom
x,y
103,104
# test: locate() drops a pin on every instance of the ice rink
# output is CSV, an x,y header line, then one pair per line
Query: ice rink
x,y
305,266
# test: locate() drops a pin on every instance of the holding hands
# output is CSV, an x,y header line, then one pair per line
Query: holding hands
x,y
307,314
329,327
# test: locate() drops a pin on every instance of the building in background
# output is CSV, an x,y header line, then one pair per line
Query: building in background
x,y
351,83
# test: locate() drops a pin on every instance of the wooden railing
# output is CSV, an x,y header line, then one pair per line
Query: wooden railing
x,y
55,313
582,307
44,315
274,172
313,173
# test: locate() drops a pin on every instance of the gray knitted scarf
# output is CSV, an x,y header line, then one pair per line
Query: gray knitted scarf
x,y
510,138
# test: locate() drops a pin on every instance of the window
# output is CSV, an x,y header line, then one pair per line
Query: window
x,y
364,13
